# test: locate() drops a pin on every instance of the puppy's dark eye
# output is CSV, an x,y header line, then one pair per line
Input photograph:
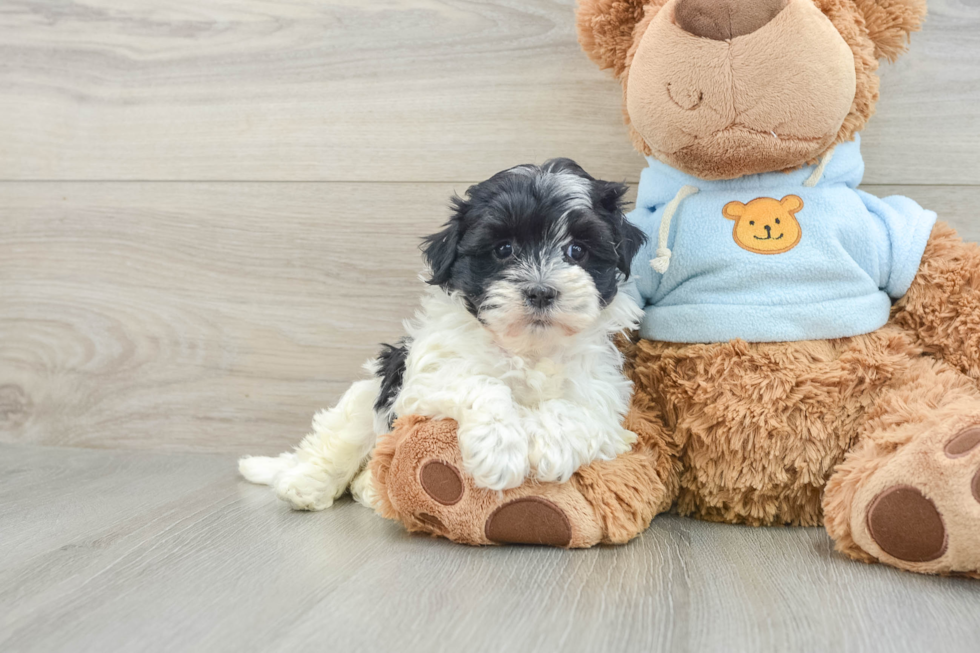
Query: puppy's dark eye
x,y
503,251
575,252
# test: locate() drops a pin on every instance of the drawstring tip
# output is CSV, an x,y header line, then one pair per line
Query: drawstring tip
x,y
662,262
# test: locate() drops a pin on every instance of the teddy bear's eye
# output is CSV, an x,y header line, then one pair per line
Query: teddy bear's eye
x,y
777,220
751,222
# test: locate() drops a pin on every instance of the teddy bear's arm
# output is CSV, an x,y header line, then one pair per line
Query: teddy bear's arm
x,y
942,307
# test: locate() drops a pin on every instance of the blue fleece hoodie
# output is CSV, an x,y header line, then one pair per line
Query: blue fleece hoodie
x,y
740,268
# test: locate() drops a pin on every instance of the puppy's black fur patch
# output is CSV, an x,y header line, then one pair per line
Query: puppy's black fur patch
x,y
391,371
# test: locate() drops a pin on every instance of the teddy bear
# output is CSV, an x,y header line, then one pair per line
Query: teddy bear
x,y
809,353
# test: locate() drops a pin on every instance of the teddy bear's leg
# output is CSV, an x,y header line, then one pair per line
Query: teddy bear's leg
x,y
942,307
416,478
908,494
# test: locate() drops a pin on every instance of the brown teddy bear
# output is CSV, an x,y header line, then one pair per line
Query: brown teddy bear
x,y
817,364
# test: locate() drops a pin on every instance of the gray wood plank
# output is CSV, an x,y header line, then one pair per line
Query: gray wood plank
x,y
197,316
211,316
412,90
133,551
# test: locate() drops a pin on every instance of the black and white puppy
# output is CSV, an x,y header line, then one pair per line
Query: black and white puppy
x,y
514,342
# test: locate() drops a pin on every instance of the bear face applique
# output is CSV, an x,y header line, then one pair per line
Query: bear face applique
x,y
765,225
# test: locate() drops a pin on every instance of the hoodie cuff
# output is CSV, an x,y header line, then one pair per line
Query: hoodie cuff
x,y
907,252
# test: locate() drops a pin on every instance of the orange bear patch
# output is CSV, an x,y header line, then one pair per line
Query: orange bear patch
x,y
765,225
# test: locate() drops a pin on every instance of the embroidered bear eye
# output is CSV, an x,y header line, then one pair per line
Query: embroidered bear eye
x,y
777,220
751,222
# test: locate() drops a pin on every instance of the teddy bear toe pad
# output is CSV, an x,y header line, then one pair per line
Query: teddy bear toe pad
x,y
963,443
442,482
530,520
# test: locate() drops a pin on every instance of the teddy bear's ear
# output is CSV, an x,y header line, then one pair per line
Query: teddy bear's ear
x,y
733,210
890,22
792,203
605,30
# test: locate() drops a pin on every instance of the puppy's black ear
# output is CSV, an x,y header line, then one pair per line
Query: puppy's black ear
x,y
439,249
610,205
630,243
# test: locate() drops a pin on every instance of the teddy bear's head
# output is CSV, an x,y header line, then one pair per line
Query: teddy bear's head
x,y
725,88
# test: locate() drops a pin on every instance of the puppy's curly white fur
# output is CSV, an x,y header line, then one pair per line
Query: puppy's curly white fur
x,y
514,342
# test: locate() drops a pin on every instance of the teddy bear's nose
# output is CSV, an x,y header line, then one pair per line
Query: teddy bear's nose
x,y
723,20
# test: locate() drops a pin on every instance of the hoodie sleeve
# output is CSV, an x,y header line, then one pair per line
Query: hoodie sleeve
x,y
908,226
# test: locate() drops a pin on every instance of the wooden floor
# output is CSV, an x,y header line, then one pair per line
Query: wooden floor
x,y
209,213
138,551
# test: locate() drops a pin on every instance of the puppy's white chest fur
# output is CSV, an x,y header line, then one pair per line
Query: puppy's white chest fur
x,y
534,382
454,362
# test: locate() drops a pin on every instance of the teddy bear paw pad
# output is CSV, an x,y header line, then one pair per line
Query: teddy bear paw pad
x,y
963,444
907,525
442,482
431,521
529,520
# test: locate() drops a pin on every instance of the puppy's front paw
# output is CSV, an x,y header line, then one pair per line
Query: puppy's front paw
x,y
553,459
307,486
557,454
494,454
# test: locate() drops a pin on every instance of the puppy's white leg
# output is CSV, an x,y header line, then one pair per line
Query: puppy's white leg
x,y
322,466
362,489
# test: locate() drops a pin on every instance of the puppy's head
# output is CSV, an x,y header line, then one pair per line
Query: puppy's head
x,y
536,251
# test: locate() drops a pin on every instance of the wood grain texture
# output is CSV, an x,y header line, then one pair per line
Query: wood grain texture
x,y
114,551
215,316
197,316
402,90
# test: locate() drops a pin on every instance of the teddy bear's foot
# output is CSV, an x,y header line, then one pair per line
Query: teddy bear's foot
x,y
920,509
417,480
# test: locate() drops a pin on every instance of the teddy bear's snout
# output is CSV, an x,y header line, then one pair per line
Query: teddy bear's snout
x,y
723,20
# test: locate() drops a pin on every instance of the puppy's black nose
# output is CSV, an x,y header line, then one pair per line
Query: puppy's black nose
x,y
540,296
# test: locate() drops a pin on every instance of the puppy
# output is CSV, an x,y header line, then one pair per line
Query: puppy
x,y
514,341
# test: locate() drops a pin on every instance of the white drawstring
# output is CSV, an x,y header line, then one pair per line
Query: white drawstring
x,y
662,262
818,173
